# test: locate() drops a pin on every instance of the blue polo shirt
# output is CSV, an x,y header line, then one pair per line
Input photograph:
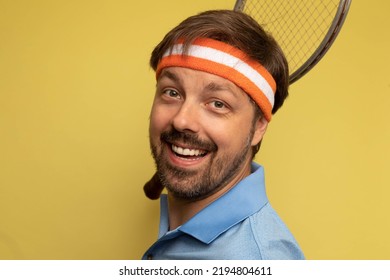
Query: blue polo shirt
x,y
240,225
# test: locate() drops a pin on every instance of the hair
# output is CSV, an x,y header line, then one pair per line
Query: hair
x,y
238,30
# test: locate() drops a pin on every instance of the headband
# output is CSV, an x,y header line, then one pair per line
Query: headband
x,y
228,62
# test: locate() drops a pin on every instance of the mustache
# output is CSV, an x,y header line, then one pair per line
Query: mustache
x,y
189,139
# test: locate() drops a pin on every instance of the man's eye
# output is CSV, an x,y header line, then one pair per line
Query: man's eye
x,y
218,104
171,93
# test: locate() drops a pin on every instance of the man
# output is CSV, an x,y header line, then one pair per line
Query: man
x,y
220,78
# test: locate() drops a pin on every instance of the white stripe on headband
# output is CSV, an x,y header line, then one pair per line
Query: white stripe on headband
x,y
229,60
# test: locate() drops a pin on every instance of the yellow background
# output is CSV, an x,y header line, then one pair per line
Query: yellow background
x,y
75,94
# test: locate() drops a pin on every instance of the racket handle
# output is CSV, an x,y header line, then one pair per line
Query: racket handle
x,y
153,187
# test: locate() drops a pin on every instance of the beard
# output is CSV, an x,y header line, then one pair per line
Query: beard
x,y
192,185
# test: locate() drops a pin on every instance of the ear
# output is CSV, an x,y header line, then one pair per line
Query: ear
x,y
260,129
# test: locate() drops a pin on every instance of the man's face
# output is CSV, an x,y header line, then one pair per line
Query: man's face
x,y
201,132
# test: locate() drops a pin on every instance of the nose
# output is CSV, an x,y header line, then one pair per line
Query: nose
x,y
187,118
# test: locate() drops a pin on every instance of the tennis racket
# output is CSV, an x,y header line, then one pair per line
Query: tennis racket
x,y
304,29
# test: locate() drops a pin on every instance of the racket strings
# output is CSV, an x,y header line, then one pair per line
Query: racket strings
x,y
298,26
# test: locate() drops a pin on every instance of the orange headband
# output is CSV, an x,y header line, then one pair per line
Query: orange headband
x,y
228,62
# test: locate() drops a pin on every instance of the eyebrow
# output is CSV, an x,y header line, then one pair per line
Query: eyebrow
x,y
211,87
214,87
168,74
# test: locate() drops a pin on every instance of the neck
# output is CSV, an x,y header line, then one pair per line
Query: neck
x,y
181,210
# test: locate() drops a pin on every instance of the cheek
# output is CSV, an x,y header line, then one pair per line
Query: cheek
x,y
154,126
230,136
227,136
158,122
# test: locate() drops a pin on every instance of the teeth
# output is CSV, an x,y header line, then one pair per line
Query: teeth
x,y
186,151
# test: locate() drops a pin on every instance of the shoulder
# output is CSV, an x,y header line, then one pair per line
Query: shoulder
x,y
273,238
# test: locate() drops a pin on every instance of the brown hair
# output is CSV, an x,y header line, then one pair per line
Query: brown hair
x,y
236,29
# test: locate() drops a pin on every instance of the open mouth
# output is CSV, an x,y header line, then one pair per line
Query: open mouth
x,y
188,153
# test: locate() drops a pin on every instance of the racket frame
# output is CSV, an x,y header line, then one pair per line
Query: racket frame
x,y
325,44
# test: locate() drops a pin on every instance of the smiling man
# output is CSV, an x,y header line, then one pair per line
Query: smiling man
x,y
220,78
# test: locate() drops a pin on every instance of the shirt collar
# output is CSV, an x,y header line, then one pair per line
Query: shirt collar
x,y
246,198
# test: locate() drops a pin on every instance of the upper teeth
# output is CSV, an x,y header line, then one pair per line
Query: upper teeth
x,y
186,151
